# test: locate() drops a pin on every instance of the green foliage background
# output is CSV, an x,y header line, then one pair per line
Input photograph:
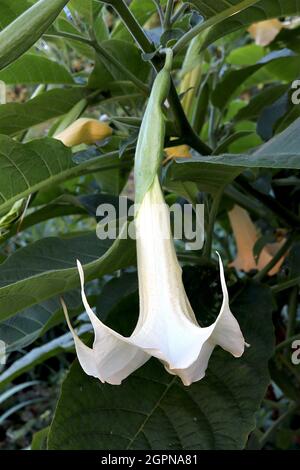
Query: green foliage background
x,y
91,58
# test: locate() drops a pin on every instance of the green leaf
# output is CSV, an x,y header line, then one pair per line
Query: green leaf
x,y
18,37
186,189
210,8
26,168
24,328
105,73
262,10
60,206
39,355
233,79
228,141
83,9
48,268
153,410
11,9
31,69
246,55
39,441
210,178
63,25
282,151
100,27
114,292
17,117
265,98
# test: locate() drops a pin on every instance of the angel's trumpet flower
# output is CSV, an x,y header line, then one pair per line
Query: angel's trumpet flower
x,y
245,236
84,131
167,327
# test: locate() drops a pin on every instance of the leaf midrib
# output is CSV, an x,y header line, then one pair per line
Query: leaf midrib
x,y
157,404
65,174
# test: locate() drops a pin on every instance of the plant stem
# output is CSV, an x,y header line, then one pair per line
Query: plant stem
x,y
159,11
183,125
215,19
147,47
105,55
71,36
246,202
111,59
285,285
269,433
132,25
211,224
168,13
179,12
286,216
286,343
280,253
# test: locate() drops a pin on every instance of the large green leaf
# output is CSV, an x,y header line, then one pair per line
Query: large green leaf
x,y
233,79
17,117
83,8
210,8
105,73
24,328
258,102
48,268
262,10
210,178
282,151
22,33
214,13
153,410
10,9
21,330
26,168
39,441
31,69
39,355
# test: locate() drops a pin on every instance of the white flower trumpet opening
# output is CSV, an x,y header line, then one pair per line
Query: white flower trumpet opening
x,y
167,328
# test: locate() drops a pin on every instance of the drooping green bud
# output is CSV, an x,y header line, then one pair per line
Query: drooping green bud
x,y
22,33
150,145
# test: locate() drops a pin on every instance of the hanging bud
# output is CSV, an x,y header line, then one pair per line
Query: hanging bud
x,y
84,131
22,33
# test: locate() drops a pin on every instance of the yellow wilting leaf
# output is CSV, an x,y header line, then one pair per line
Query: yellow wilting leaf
x,y
84,131
245,236
180,151
265,32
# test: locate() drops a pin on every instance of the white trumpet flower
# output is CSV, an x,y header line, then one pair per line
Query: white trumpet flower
x,y
167,328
